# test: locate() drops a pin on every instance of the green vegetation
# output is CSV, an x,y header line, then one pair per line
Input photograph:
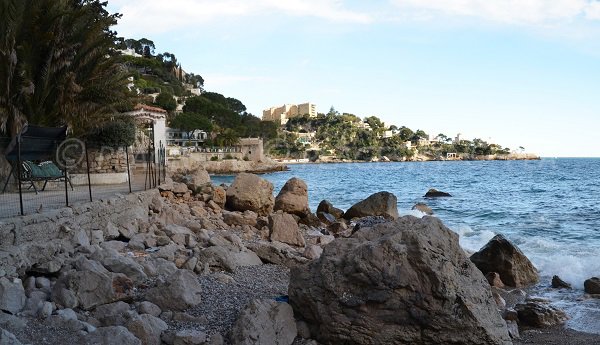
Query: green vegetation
x,y
342,136
118,133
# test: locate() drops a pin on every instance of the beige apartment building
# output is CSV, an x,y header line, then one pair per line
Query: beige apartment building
x,y
287,111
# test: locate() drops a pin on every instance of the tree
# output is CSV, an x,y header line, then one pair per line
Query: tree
x,y
166,101
190,122
227,138
147,47
374,122
406,133
57,64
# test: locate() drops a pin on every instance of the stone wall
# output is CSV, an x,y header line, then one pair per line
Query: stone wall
x,y
41,242
106,160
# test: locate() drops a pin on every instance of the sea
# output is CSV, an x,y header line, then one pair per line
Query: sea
x,y
549,208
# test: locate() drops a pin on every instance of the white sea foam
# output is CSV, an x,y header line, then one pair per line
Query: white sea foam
x,y
470,239
415,213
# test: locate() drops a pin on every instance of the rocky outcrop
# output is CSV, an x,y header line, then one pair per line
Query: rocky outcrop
x,y
501,256
293,198
592,286
327,207
12,295
379,204
179,292
265,322
558,283
283,228
423,208
401,282
434,193
539,315
250,192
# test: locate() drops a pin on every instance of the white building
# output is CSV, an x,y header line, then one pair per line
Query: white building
x,y
177,137
154,117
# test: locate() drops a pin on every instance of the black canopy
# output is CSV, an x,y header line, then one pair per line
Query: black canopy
x,y
37,143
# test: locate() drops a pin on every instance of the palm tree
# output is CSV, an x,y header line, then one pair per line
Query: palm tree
x,y
57,65
227,138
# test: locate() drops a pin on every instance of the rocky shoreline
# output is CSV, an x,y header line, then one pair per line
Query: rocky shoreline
x,y
195,263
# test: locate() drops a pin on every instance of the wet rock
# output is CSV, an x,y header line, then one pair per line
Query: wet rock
x,y
327,207
500,255
180,291
293,198
283,228
592,286
405,282
12,295
326,218
147,328
558,283
383,204
434,193
423,208
539,315
265,322
250,192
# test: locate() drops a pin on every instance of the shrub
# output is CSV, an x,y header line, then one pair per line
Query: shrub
x,y
229,156
113,134
214,158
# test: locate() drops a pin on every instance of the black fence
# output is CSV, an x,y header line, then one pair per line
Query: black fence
x,y
38,174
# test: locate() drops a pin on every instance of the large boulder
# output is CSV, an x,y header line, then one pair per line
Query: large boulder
x,y
293,198
401,282
501,256
379,204
228,257
265,322
147,328
250,192
112,335
283,228
12,295
180,291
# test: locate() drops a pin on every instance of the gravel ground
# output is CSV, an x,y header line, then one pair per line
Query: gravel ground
x,y
41,333
222,301
557,336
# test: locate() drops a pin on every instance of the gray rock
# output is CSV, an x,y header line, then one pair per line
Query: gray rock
x,y
313,252
7,338
147,328
238,218
501,256
283,228
265,322
112,335
189,337
250,192
181,291
117,263
277,253
113,314
401,282
11,322
146,307
293,198
67,314
228,257
12,295
383,204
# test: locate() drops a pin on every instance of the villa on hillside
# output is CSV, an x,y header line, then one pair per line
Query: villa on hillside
x,y
285,112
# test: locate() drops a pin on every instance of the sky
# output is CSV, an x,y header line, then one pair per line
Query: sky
x,y
513,72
